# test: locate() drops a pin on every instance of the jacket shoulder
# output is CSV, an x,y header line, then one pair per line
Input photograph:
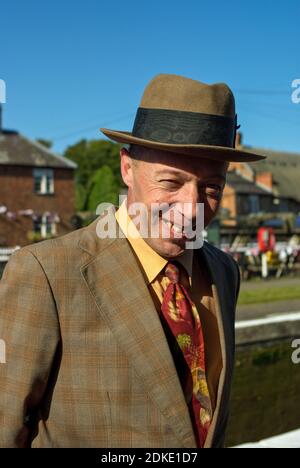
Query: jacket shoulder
x,y
60,248
219,254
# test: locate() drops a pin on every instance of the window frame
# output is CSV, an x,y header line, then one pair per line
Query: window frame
x,y
46,181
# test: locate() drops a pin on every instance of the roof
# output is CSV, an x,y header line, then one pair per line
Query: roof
x,y
17,150
285,168
242,185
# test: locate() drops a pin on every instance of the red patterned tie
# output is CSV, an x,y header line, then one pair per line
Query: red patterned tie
x,y
183,319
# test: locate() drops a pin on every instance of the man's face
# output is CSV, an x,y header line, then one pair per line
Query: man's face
x,y
164,177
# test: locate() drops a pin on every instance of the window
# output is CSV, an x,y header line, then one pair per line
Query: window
x,y
253,204
283,205
43,181
45,225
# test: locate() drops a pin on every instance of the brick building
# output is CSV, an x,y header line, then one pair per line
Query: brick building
x,y
37,191
242,197
270,186
280,173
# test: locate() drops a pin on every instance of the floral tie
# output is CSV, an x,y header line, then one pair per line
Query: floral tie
x,y
183,320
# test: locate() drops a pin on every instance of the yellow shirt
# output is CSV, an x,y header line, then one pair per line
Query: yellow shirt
x,y
152,265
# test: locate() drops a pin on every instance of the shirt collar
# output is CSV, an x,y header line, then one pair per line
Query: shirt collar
x,y
151,261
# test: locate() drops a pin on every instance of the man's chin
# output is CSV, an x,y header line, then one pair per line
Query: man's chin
x,y
168,248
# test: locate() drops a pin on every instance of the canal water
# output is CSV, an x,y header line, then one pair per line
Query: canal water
x,y
265,398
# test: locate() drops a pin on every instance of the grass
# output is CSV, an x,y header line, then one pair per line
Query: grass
x,y
273,294
265,399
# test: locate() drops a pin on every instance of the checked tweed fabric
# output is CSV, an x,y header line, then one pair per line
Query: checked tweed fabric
x,y
183,319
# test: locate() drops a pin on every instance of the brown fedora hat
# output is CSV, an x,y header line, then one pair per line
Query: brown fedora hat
x,y
185,116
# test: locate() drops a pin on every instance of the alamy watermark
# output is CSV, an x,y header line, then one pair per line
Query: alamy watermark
x,y
296,353
156,221
2,92
296,93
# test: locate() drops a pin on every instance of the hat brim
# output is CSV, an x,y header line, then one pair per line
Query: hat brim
x,y
219,153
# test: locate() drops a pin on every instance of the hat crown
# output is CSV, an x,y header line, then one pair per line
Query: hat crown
x,y
175,92
188,117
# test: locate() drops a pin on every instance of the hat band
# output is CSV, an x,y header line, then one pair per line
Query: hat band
x,y
184,128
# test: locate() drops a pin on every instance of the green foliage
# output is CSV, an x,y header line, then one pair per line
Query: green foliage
x,y
80,197
103,188
92,156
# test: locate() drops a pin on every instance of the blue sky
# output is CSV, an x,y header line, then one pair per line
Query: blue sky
x,y
71,67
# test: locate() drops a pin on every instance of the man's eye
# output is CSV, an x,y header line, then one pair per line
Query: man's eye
x,y
214,187
213,190
170,182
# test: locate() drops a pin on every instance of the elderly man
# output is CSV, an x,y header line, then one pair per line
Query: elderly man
x,y
128,340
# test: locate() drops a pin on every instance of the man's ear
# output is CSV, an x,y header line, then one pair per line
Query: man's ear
x,y
126,167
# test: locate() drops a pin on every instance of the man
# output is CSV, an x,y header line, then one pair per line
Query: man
x,y
129,341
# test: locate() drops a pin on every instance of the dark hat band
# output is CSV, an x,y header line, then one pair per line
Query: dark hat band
x,y
184,128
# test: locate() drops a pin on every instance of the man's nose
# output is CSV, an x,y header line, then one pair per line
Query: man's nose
x,y
192,193
188,203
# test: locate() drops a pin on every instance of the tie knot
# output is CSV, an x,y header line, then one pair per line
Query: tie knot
x,y
172,272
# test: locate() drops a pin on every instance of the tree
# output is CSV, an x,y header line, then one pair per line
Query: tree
x,y
90,156
81,195
103,188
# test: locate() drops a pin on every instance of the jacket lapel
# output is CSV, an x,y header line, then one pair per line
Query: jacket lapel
x,y
124,302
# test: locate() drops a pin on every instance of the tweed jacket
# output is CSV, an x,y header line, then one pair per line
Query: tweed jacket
x,y
87,361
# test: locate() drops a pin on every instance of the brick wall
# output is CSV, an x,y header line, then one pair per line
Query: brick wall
x,y
243,169
229,203
265,179
17,193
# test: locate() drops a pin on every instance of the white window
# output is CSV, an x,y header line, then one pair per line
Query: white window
x,y
43,181
45,225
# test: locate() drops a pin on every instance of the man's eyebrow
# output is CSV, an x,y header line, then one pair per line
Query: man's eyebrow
x,y
174,172
219,177
168,171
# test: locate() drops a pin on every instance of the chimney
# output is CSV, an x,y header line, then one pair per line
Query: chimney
x,y
265,180
2,130
238,140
